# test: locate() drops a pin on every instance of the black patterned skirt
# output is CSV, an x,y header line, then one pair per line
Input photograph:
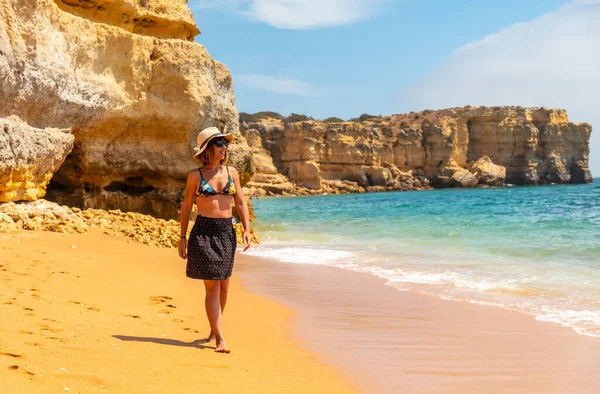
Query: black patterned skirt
x,y
211,249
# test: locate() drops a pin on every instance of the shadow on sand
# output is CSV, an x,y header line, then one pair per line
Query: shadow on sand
x,y
198,343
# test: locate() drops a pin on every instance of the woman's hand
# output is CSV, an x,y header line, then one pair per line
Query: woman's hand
x,y
247,240
182,248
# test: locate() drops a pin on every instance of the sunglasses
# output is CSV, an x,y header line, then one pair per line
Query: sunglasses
x,y
219,142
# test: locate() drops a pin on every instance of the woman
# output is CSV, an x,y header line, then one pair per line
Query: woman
x,y
211,247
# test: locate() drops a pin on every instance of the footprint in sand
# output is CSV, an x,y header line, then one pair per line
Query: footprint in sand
x,y
21,273
164,311
89,308
25,332
155,300
45,327
177,321
61,340
134,316
16,367
13,355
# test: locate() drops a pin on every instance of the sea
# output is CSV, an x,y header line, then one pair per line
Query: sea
x,y
530,249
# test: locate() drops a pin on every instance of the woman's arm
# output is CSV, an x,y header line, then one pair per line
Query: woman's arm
x,y
193,180
242,208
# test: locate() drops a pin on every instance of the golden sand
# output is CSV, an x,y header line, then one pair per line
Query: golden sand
x,y
92,313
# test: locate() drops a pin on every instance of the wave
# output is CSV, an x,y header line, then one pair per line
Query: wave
x,y
299,255
520,295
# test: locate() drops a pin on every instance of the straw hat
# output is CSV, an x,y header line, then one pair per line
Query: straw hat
x,y
208,134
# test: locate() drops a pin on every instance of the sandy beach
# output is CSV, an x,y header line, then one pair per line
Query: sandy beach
x,y
385,340
96,313
91,313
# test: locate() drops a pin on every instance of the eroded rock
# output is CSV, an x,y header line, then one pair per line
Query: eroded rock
x,y
28,158
487,172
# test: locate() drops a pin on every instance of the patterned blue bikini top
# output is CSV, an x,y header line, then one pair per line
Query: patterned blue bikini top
x,y
206,190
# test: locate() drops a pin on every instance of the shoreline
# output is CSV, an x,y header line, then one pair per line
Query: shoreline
x,y
385,340
315,193
96,313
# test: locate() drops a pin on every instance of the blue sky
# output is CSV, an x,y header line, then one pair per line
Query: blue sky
x,y
343,58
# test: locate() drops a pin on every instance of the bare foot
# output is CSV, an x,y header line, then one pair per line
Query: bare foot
x,y
210,337
222,347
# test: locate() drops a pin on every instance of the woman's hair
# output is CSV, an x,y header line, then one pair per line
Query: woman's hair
x,y
207,155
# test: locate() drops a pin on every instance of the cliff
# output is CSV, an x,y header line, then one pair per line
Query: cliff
x,y
462,147
126,81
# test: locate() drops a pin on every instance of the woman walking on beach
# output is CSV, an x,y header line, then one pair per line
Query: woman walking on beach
x,y
211,248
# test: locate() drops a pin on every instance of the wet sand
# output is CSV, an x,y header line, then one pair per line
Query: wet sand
x,y
386,340
91,313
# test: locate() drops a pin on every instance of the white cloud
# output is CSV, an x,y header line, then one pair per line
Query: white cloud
x,y
298,14
553,61
277,85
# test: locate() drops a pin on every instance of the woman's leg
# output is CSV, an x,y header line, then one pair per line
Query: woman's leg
x,y
224,289
213,312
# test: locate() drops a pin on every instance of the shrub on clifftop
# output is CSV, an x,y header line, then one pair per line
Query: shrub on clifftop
x,y
257,117
247,118
297,118
269,114
364,117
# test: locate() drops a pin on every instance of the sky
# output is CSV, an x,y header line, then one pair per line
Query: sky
x,y
343,58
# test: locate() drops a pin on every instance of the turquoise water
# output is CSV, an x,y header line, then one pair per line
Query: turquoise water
x,y
534,250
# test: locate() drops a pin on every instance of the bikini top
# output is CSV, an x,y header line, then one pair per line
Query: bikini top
x,y
206,190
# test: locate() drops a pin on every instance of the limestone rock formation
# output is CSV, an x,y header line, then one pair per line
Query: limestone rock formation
x,y
453,147
125,77
28,158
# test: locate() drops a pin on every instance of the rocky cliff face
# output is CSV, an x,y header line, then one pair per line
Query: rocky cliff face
x,y
454,147
125,78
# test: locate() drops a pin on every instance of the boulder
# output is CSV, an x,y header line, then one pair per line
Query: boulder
x,y
29,157
306,173
463,178
487,172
